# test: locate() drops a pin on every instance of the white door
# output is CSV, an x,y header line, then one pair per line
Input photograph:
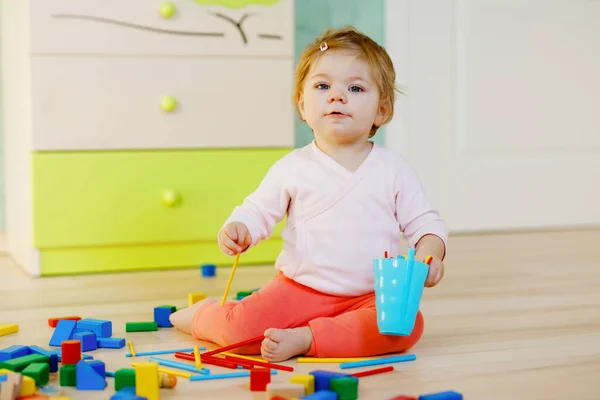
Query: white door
x,y
501,117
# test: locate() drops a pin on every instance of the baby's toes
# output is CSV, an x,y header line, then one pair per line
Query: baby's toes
x,y
270,345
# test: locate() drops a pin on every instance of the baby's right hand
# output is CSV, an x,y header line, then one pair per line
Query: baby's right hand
x,y
234,238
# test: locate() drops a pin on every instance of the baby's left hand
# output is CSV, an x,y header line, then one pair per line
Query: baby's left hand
x,y
436,268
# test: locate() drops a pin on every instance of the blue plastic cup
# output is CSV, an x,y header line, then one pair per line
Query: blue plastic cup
x,y
399,284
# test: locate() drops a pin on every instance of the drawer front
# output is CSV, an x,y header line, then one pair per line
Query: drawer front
x,y
176,27
121,198
117,103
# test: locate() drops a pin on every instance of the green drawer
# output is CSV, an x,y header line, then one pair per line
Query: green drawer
x,y
115,198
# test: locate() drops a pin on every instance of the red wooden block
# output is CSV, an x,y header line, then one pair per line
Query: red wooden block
x,y
278,398
52,322
259,379
71,351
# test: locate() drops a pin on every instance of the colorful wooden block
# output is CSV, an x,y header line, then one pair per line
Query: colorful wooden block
x,y
259,379
124,377
88,340
67,374
71,352
305,379
448,395
209,270
322,395
141,326
323,378
102,328
11,387
126,393
14,351
243,293
146,380
39,372
87,378
162,314
64,331
345,387
99,367
285,389
7,329
110,343
20,363
52,322
193,298
52,357
28,386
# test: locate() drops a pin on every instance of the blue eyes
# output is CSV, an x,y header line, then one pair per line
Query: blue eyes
x,y
353,88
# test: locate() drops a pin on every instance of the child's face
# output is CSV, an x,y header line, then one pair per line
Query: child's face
x,y
340,99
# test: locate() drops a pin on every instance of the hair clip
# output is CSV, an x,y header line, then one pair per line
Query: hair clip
x,y
324,46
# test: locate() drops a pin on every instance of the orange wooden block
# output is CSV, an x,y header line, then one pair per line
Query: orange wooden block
x,y
52,322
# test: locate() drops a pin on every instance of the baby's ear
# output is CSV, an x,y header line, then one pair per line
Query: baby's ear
x,y
383,113
301,106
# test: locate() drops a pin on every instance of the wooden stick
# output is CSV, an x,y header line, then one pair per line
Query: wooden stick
x,y
373,371
208,360
233,346
235,263
242,361
318,360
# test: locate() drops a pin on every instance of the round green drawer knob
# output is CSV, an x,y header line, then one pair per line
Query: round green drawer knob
x,y
167,9
168,103
171,198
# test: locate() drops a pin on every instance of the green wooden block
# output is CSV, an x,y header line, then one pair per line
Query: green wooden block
x,y
20,363
240,295
141,326
346,387
124,377
68,376
40,372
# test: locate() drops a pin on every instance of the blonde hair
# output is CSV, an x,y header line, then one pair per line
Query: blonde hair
x,y
349,38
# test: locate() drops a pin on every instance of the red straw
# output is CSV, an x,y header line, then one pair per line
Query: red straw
x,y
243,361
233,346
373,371
208,360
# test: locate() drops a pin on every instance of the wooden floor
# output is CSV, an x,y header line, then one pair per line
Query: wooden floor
x,y
516,317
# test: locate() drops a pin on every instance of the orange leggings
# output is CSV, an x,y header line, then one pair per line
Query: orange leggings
x,y
341,326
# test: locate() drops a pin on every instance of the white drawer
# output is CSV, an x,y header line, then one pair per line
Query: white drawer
x,y
137,27
114,103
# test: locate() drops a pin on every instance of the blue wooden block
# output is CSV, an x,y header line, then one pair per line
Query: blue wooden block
x,y
14,351
52,356
88,340
102,328
209,270
110,343
126,393
323,378
64,331
88,378
322,395
449,395
99,367
162,314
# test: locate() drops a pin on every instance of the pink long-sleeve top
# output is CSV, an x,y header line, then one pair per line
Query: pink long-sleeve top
x,y
338,221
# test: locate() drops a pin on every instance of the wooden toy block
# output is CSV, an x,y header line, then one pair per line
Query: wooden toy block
x,y
285,389
146,380
71,352
124,377
110,343
305,379
7,329
402,397
243,293
346,387
322,395
14,351
52,322
40,373
88,340
67,374
448,395
162,314
193,298
53,358
28,386
88,378
20,363
259,379
323,378
64,331
10,389
278,398
102,328
99,367
126,393
141,326
209,270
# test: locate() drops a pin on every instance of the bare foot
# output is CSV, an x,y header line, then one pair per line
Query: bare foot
x,y
283,344
182,319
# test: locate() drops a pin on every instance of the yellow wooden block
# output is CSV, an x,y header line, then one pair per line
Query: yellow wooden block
x,y
285,389
146,380
193,298
7,329
28,386
307,380
5,371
